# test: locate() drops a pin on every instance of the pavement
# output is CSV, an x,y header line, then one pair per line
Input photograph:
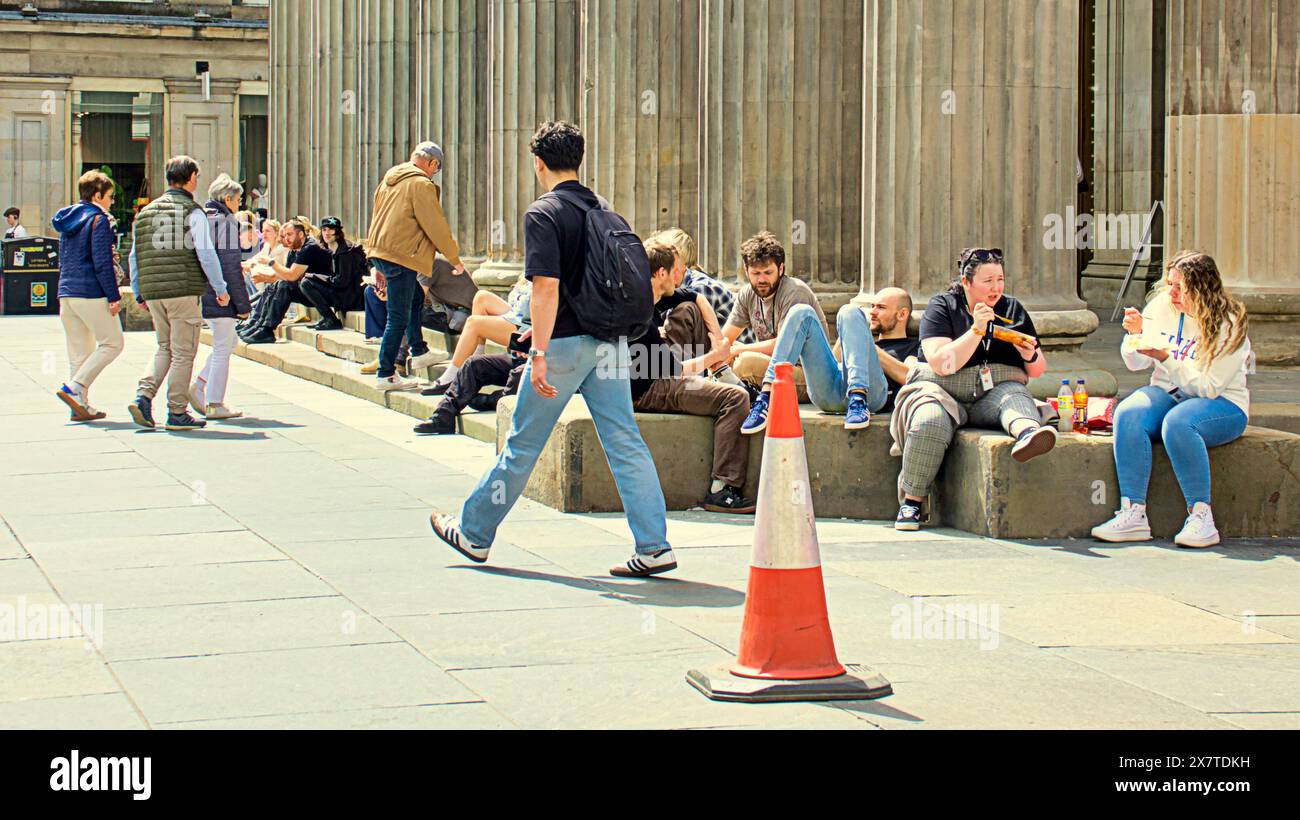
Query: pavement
x,y
278,572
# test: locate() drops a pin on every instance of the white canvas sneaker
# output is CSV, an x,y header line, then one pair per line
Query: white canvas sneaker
x,y
395,382
1129,524
1199,530
424,360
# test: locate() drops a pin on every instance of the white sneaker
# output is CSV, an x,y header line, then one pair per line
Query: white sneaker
x,y
447,528
1199,530
1129,524
425,360
395,382
218,411
198,399
641,565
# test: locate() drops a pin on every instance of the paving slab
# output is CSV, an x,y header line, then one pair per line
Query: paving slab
x,y
51,669
556,636
1113,619
247,626
257,684
458,716
109,711
146,587
37,529
99,553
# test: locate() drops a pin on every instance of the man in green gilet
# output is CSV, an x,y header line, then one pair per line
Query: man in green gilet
x,y
173,263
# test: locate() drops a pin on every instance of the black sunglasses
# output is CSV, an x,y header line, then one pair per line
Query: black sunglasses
x,y
980,256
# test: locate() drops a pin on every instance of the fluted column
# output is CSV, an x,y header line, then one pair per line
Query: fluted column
x,y
639,109
781,110
970,140
533,70
450,58
1233,155
1128,145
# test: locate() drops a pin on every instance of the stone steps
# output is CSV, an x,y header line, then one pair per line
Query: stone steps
x,y
322,358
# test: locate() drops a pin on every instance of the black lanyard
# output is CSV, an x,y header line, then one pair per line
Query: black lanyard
x,y
771,324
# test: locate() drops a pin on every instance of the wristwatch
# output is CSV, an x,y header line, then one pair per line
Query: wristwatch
x,y
534,353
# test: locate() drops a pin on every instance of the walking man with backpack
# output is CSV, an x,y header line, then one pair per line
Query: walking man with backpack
x,y
591,292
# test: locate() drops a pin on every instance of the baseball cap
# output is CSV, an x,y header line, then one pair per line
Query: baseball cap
x,y
332,222
431,151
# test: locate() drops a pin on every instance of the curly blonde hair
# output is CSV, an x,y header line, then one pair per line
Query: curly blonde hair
x,y
1210,304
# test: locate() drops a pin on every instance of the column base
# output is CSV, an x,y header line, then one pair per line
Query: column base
x,y
498,276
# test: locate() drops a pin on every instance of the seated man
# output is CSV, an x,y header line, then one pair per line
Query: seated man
x,y
663,383
762,306
284,283
505,370
859,376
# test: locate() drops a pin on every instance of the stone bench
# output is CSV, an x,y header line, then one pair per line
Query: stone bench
x,y
980,489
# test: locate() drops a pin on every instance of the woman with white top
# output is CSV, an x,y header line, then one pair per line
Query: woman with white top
x,y
1193,335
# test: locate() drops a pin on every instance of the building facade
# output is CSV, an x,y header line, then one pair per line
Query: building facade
x,y
876,138
115,85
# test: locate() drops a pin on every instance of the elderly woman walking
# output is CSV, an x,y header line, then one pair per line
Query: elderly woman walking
x,y
208,392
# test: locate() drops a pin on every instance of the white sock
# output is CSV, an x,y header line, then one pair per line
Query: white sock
x,y
449,374
717,486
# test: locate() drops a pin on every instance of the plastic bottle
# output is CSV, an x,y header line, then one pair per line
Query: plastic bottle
x,y
1065,407
1081,408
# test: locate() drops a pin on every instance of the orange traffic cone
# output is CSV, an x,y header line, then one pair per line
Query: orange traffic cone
x,y
787,651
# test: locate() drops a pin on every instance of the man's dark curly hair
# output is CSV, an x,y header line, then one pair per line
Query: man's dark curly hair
x,y
560,145
763,247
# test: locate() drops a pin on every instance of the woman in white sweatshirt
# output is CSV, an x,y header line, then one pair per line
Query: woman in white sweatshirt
x,y
1193,335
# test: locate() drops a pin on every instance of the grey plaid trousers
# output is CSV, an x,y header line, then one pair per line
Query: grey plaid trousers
x,y
1008,405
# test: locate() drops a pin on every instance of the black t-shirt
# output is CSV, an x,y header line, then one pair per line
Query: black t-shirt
x,y
900,349
650,358
947,317
318,259
555,246
678,297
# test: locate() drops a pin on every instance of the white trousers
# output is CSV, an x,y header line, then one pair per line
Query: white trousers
x,y
216,373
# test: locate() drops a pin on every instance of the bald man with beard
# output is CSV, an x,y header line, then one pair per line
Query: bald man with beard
x,y
860,375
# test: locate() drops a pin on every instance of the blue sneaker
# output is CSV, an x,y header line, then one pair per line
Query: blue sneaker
x,y
142,412
858,416
756,421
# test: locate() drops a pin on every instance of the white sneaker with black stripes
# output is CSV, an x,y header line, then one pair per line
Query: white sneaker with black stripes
x,y
642,565
447,528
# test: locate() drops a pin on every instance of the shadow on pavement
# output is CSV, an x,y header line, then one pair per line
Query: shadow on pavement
x,y
646,592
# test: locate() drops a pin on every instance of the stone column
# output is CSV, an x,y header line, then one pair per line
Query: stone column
x,y
1233,156
450,64
1129,146
781,115
533,70
970,140
639,109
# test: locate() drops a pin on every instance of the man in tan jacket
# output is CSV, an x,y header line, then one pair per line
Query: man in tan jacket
x,y
407,227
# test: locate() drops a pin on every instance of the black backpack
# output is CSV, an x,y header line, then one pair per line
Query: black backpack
x,y
615,300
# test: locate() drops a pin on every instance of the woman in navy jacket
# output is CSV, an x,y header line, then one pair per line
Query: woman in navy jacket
x,y
89,298
208,392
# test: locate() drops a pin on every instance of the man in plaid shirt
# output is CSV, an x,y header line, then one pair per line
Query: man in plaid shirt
x,y
700,283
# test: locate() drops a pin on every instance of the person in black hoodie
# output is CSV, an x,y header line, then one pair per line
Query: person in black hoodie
x,y
208,391
89,298
341,290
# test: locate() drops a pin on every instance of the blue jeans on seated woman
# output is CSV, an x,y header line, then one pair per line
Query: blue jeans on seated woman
x,y
801,341
1187,426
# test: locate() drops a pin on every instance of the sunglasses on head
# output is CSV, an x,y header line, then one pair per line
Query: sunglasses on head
x,y
980,256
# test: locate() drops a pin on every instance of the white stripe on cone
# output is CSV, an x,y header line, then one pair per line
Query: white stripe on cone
x,y
785,534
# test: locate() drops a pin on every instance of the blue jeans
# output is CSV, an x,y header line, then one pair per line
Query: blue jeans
x,y
403,289
1188,428
600,370
801,341
376,314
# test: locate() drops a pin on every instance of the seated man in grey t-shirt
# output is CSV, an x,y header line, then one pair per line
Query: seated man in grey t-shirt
x,y
761,306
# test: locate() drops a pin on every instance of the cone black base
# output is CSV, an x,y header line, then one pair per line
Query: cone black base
x,y
858,683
